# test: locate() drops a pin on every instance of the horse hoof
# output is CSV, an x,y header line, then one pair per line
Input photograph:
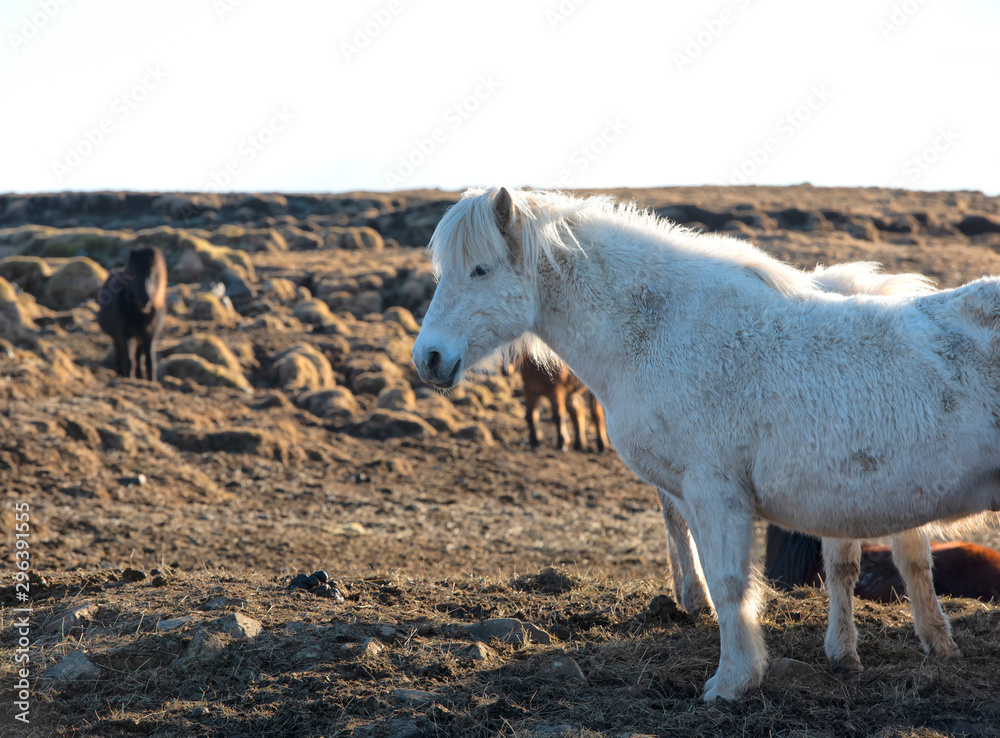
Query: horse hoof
x,y
946,651
847,669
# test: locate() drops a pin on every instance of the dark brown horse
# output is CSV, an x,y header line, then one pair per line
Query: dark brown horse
x,y
132,308
560,386
960,569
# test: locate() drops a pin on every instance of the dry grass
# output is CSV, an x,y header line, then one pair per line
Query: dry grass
x,y
308,674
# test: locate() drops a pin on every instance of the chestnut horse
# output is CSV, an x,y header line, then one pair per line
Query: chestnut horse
x,y
132,307
960,569
561,387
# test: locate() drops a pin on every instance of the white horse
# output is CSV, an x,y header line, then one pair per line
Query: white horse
x,y
731,380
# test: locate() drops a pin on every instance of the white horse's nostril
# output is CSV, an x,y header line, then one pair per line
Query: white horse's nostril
x,y
433,359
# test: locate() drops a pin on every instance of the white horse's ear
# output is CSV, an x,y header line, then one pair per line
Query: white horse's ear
x,y
503,209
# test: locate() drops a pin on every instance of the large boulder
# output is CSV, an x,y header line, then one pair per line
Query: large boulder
x,y
28,272
248,239
200,371
312,311
303,367
208,347
16,324
78,280
384,424
337,404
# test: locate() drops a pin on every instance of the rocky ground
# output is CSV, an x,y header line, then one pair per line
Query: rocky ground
x,y
289,433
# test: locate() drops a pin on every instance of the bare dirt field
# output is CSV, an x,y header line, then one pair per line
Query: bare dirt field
x,y
290,434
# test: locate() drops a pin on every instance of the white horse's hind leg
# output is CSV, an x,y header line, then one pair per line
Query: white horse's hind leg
x,y
685,569
723,529
842,562
911,552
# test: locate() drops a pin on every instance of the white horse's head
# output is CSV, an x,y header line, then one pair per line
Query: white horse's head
x,y
486,297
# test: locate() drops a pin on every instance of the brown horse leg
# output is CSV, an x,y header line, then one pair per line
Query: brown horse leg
x,y
842,561
911,552
576,416
558,401
597,414
149,356
531,415
122,360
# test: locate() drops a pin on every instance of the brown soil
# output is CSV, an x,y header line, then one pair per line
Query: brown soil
x,y
425,531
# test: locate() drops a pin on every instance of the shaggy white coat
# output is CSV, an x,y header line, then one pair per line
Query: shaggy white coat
x,y
730,379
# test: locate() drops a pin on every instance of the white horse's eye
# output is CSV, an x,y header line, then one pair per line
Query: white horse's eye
x,y
479,272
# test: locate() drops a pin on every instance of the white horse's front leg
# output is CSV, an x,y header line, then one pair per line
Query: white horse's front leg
x,y
723,528
689,582
911,552
842,563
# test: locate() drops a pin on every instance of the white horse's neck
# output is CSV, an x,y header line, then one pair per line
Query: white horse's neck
x,y
585,327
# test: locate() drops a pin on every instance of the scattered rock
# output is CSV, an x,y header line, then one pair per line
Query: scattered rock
x,y
384,424
480,652
361,238
537,635
397,398
208,307
80,430
414,697
313,311
662,608
74,667
204,648
403,317
548,581
76,617
318,583
237,625
337,404
174,623
475,432
564,668
796,672
368,648
133,575
220,602
114,440
506,630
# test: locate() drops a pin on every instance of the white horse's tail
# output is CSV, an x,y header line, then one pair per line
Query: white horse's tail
x,y
867,278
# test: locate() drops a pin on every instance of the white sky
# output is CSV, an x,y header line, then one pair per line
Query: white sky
x,y
584,93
